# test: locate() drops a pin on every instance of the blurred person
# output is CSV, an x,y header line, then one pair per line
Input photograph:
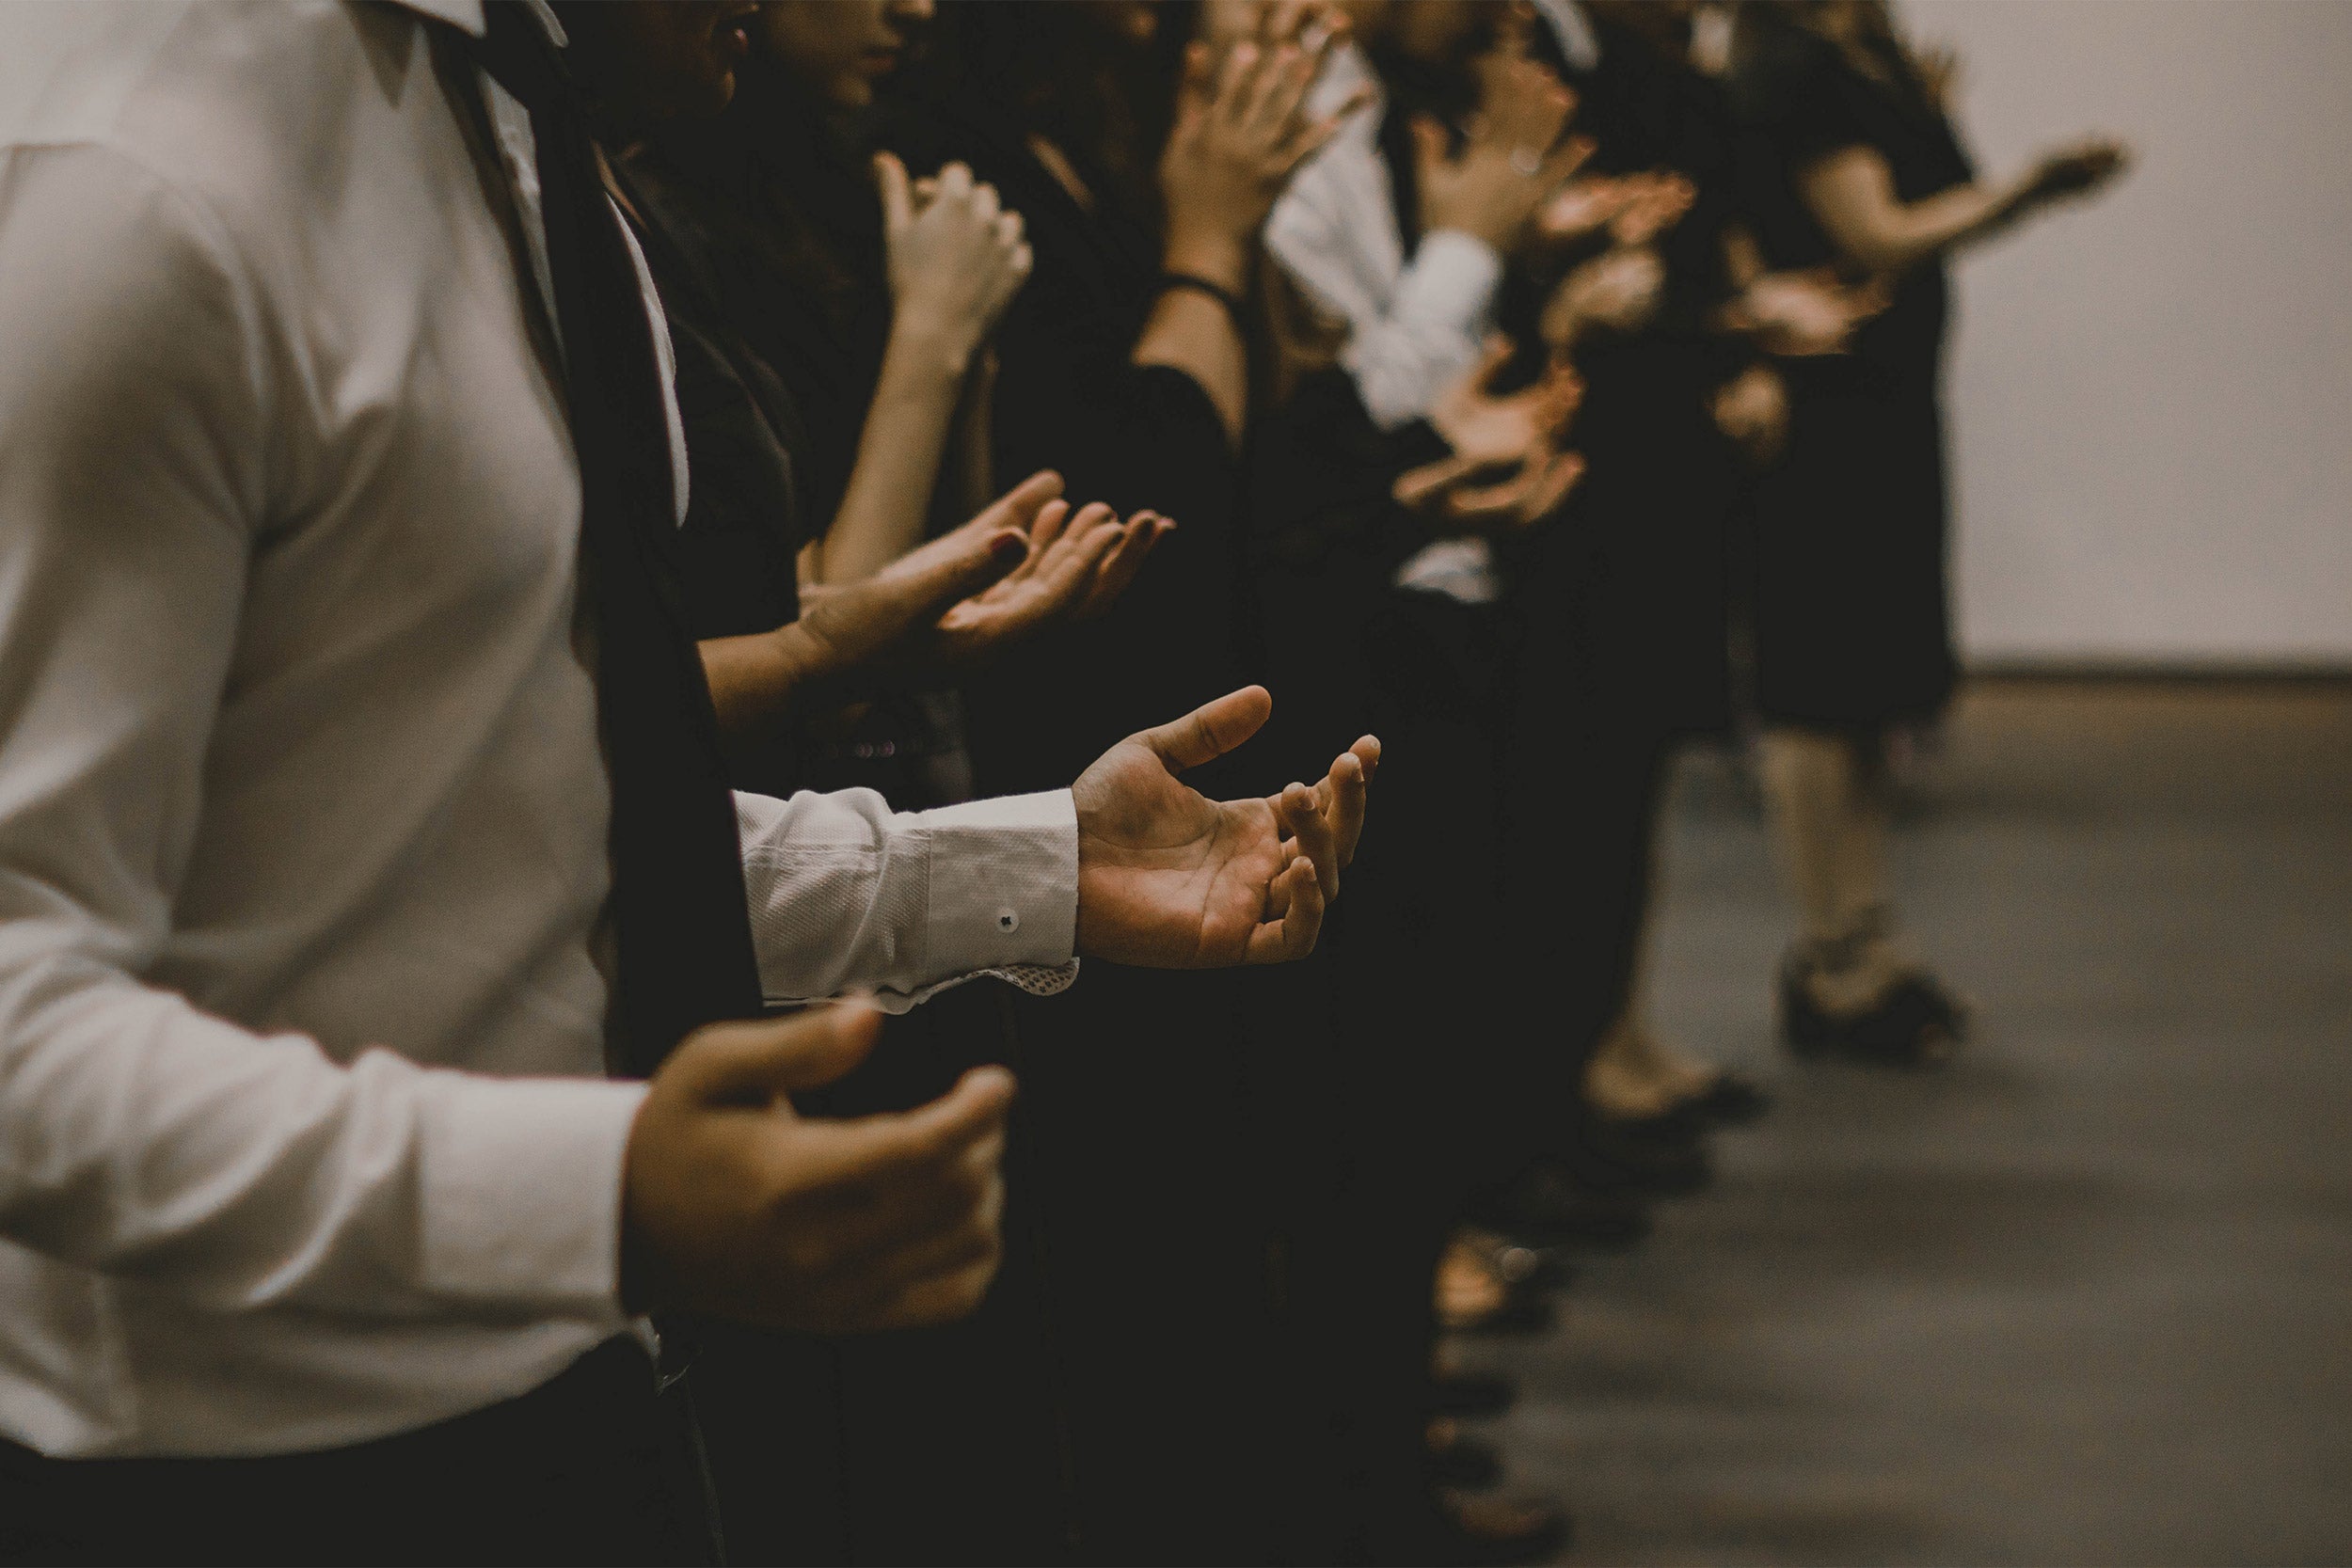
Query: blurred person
x,y
1854,164
321,1217
1143,171
1394,242
833,320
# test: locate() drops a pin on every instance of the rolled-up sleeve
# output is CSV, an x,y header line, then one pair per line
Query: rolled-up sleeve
x,y
141,1137
848,895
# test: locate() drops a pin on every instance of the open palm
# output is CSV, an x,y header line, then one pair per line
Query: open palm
x,y
1169,879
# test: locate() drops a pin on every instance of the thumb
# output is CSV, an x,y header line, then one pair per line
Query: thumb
x,y
757,1062
1019,506
957,565
898,204
1211,730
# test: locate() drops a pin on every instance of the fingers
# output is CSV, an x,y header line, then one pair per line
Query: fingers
x,y
1209,731
1304,823
1561,164
1416,487
759,1062
1300,895
1020,506
921,1144
1136,541
898,201
1048,527
1343,798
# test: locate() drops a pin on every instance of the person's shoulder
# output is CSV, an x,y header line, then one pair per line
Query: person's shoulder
x,y
221,101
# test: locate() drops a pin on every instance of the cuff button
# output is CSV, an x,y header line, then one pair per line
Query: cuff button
x,y
1007,920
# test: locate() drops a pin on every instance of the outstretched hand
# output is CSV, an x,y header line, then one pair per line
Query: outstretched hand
x,y
1169,879
1019,566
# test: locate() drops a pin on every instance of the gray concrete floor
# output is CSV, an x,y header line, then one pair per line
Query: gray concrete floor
x,y
2085,1296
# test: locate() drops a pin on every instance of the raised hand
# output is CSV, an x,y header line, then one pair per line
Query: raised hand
x,y
1242,129
1512,158
736,1205
1170,879
2077,169
955,257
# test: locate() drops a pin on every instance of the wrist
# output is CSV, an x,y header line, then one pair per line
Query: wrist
x,y
935,347
1215,257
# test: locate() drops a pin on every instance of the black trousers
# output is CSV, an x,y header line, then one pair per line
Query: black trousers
x,y
594,1467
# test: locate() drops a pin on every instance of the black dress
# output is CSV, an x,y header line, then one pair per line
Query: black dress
x,y
1851,624
1130,1146
943,1444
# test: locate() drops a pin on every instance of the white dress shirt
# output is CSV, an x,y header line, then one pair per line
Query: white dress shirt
x,y
1413,328
304,1134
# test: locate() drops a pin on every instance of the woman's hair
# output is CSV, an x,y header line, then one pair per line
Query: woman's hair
x,y
1067,71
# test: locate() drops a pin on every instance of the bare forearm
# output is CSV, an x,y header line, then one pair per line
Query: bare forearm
x,y
884,512
1189,331
756,682
1853,196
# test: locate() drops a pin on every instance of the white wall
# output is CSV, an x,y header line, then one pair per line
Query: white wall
x,y
2153,396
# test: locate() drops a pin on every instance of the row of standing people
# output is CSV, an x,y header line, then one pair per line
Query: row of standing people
x,y
1479,368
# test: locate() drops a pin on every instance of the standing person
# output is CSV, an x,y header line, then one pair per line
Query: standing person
x,y
829,326
357,793
1396,237
1123,366
1855,164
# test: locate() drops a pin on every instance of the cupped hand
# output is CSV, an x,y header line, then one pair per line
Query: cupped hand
x,y
1619,291
1169,879
1798,314
955,257
1486,428
1652,203
970,594
1581,207
1461,497
736,1205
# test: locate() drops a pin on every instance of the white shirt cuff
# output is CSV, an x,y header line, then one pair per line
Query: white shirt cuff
x,y
1004,883
1452,280
521,1193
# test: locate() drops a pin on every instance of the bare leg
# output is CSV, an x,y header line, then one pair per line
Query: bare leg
x,y
1827,805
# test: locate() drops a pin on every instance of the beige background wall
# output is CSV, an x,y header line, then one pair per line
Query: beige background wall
x,y
2152,397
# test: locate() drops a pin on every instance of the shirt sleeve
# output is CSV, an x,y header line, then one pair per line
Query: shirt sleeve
x,y
1409,338
848,895
140,1136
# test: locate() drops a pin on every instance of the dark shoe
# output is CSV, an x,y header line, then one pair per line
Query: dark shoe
x,y
1729,1100
1485,1531
1460,1461
1463,1394
1605,1158
1522,1311
1547,1208
1915,1022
